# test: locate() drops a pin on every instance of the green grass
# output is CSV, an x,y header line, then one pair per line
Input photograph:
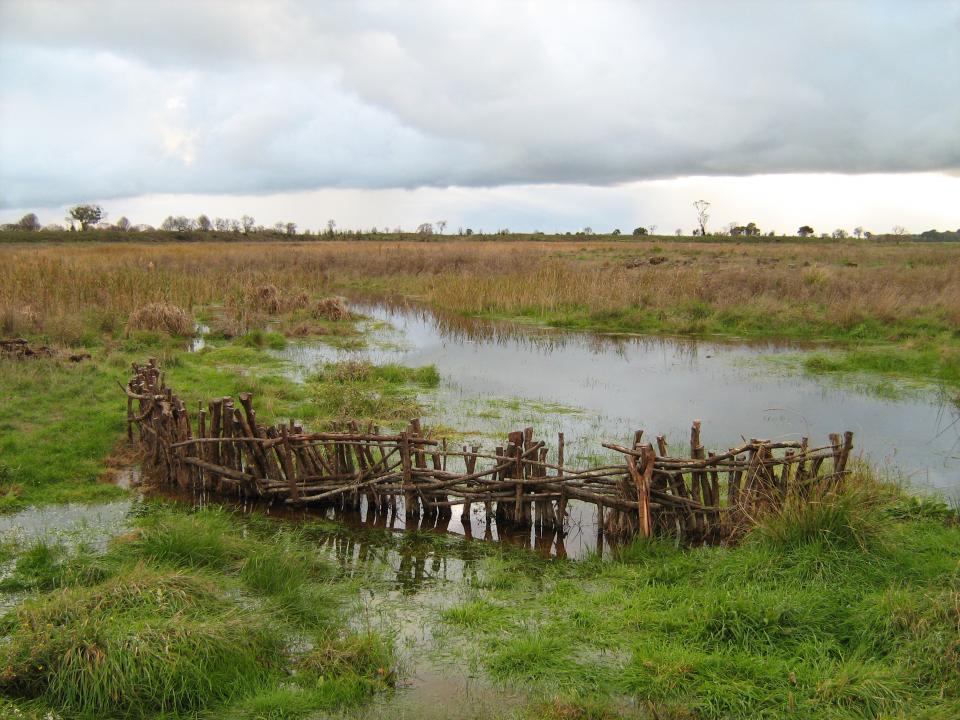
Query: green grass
x,y
380,393
849,609
939,364
58,423
188,612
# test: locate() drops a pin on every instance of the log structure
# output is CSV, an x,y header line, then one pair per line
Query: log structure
x,y
650,491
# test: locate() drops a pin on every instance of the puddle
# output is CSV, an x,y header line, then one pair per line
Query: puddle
x,y
502,376
68,523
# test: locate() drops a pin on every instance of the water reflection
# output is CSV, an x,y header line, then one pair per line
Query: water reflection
x,y
501,376
422,549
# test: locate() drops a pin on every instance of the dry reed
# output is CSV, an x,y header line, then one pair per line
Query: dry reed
x,y
161,317
70,287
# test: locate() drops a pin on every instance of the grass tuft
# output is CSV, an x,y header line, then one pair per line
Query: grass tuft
x,y
143,642
161,317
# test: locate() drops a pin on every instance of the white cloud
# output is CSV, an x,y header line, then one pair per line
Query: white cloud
x,y
115,98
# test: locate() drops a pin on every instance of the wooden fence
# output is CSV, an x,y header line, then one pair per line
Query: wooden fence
x,y
707,496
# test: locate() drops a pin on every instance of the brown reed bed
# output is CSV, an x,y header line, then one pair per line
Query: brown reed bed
x,y
903,293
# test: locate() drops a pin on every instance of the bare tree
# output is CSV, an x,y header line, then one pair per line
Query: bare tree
x,y
858,231
899,230
425,229
290,228
221,224
653,229
839,234
203,223
331,227
702,206
123,224
678,232
180,223
248,224
441,226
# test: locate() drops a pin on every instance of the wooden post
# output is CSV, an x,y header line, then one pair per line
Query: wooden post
x,y
642,479
562,502
407,466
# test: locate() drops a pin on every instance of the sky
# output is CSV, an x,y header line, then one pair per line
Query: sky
x,y
522,114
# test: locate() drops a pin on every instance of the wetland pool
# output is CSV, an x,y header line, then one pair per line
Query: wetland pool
x,y
504,376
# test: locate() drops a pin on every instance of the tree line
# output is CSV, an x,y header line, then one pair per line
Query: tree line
x,y
86,217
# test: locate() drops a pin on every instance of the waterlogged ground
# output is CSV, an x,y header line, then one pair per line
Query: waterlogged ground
x,y
497,376
852,612
860,622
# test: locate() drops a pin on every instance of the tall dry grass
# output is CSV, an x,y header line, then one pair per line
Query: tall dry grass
x,y
65,292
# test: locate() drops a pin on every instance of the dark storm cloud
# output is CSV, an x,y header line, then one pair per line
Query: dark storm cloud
x,y
107,99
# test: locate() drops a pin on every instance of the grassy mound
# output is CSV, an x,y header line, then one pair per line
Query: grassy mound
x,y
161,317
332,308
144,642
362,390
189,612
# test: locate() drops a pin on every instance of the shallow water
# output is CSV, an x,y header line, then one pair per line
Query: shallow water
x,y
498,377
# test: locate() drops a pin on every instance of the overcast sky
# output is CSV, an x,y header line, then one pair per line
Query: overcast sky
x,y
522,114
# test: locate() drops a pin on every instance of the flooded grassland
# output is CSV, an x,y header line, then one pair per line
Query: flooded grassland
x,y
120,602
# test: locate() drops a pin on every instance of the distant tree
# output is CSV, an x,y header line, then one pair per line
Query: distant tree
x,y
899,230
616,231
331,227
248,224
221,224
839,234
867,234
180,223
588,230
678,232
235,226
425,229
702,206
653,229
468,231
86,215
751,229
640,231
278,227
290,228
203,223
805,231
54,227
441,226
858,232
123,224
824,236
29,222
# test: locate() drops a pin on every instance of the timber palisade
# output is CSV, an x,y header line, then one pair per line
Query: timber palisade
x,y
707,496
